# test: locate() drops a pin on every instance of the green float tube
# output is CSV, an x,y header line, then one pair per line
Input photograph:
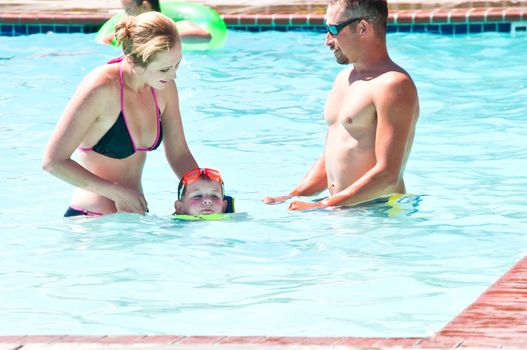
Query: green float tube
x,y
198,14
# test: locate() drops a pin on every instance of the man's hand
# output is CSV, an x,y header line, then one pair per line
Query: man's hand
x,y
276,200
298,205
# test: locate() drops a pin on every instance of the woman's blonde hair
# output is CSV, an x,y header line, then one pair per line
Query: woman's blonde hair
x,y
143,36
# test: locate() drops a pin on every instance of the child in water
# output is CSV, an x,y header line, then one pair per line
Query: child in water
x,y
201,192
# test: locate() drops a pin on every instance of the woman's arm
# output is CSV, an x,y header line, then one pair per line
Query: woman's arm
x,y
177,152
86,106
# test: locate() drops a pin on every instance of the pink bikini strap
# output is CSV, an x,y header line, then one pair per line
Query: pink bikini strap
x,y
138,149
112,61
116,59
86,212
121,83
158,114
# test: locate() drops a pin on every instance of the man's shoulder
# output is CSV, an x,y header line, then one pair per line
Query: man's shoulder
x,y
396,79
395,87
396,73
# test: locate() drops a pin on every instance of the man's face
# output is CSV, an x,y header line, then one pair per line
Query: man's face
x,y
340,42
202,197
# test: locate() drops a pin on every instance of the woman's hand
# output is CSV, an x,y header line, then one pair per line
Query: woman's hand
x,y
129,201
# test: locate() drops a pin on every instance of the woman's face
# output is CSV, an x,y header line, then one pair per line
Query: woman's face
x,y
163,68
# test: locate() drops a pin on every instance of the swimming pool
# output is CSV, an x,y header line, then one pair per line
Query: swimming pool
x,y
254,110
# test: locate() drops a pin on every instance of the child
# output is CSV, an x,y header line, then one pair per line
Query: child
x,y
201,192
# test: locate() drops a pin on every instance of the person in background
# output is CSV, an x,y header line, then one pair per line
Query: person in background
x,y
119,113
188,31
371,113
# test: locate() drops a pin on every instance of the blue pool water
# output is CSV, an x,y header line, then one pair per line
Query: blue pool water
x,y
254,110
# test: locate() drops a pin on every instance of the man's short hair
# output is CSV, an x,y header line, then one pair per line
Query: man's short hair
x,y
359,8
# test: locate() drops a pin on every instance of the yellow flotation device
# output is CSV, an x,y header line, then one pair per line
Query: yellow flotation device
x,y
213,217
198,14
218,216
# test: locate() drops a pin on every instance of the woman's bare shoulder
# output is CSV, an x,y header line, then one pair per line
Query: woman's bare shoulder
x,y
101,78
98,87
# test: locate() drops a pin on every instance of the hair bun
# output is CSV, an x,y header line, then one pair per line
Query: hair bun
x,y
123,31
143,36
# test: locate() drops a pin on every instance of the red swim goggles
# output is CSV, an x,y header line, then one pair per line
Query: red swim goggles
x,y
195,174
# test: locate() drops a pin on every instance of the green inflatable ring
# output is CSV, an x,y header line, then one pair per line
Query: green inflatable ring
x,y
201,15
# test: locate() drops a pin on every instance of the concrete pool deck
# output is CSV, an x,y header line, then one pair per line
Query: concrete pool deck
x,y
497,319
247,6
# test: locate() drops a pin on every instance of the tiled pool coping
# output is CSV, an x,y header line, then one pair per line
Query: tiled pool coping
x,y
439,21
498,318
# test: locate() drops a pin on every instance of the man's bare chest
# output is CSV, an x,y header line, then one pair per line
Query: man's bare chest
x,y
352,108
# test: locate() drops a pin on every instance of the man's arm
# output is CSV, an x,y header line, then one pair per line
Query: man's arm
x,y
397,109
314,182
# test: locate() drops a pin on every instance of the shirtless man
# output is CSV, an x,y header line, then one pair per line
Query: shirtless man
x,y
371,113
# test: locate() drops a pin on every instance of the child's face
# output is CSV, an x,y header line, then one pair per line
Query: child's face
x,y
202,197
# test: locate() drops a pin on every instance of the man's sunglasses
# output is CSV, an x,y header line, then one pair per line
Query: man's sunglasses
x,y
195,174
334,29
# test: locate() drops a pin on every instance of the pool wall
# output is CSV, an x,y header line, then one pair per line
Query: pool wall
x,y
438,21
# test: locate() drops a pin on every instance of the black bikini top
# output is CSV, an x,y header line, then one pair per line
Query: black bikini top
x,y
117,142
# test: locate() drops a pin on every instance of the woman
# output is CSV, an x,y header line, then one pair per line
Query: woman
x,y
119,112
189,32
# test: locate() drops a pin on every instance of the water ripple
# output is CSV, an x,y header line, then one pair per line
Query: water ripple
x,y
254,109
